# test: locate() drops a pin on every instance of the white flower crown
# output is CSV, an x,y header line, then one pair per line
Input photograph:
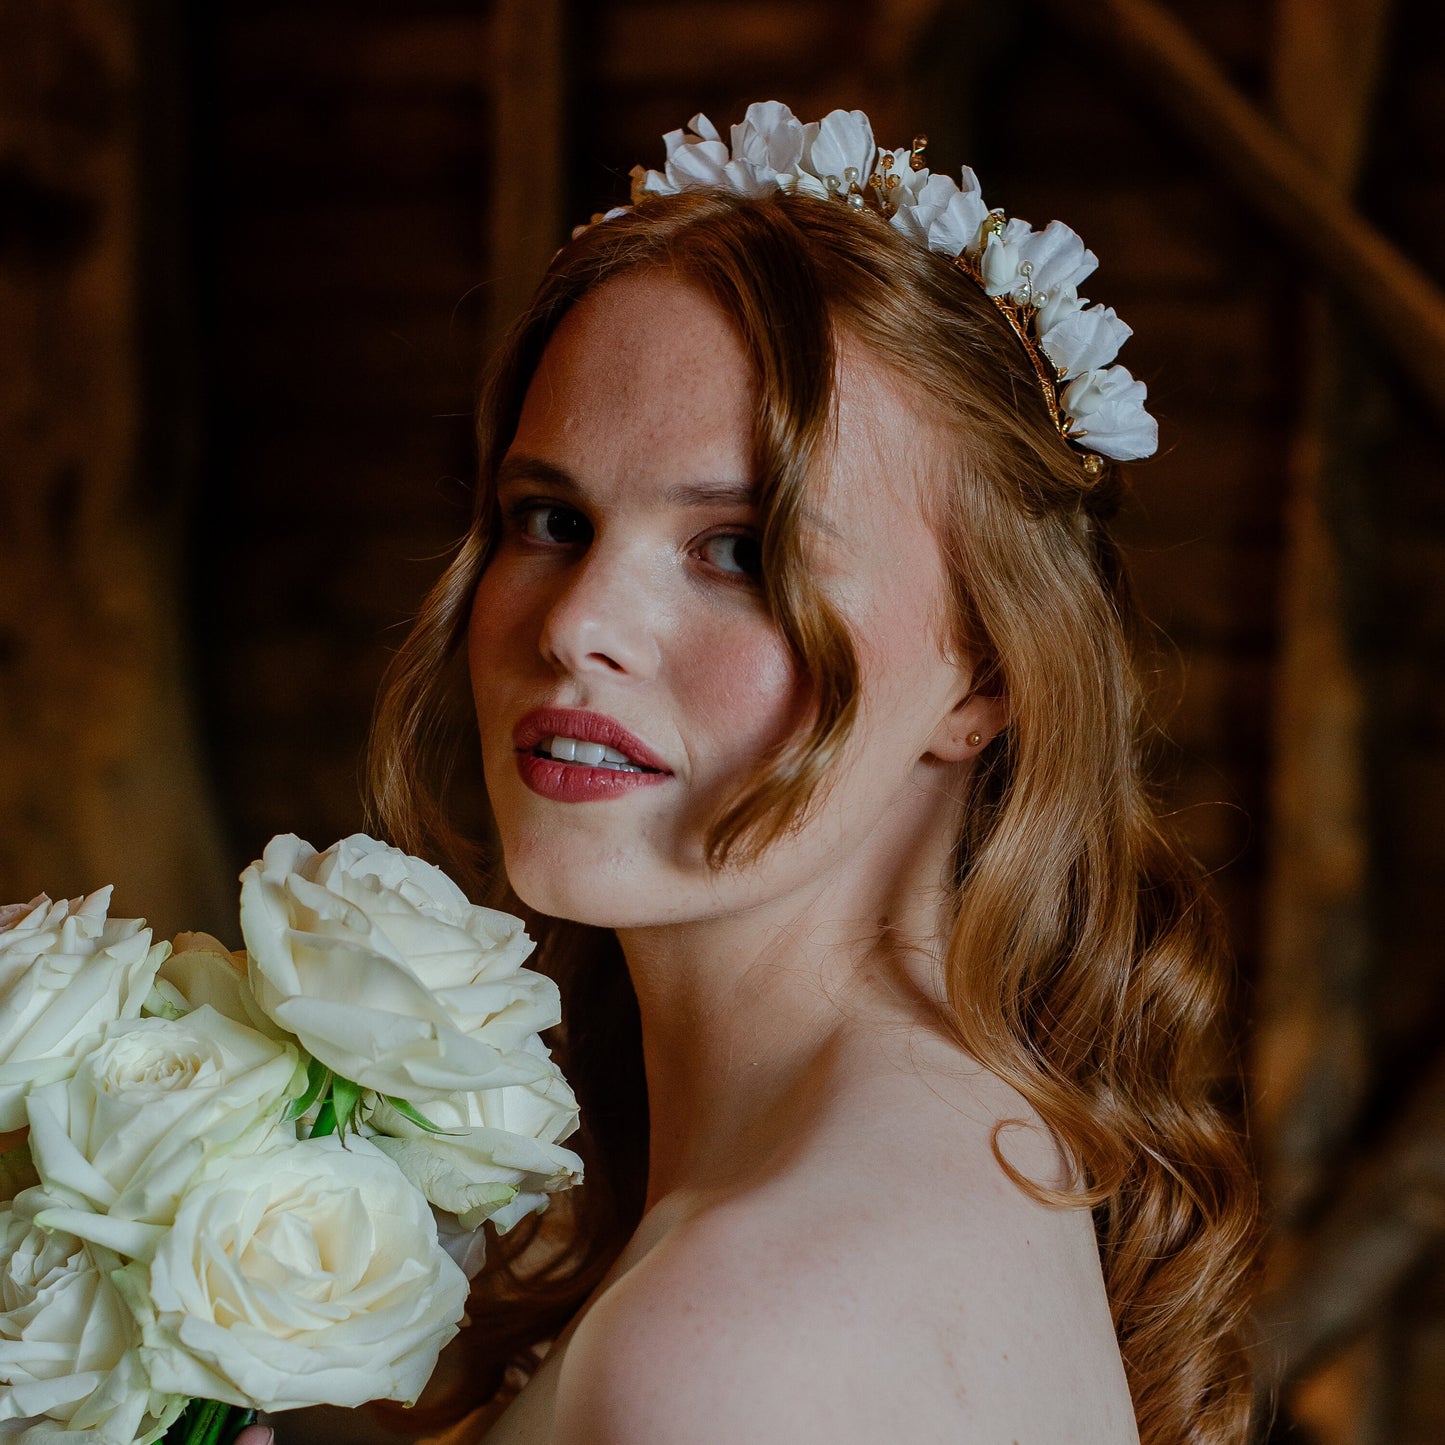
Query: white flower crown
x,y
1032,276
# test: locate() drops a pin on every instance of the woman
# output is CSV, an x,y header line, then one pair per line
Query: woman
x,y
798,645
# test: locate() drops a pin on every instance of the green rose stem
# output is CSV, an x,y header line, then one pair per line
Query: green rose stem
x,y
209,1422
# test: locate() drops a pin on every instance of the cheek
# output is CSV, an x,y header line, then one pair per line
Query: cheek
x,y
500,621
737,699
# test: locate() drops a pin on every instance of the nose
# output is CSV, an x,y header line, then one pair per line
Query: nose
x,y
604,616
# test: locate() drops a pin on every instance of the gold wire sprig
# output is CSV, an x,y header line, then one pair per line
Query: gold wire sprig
x,y
1018,315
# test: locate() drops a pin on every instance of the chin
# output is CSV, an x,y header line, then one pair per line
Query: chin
x,y
598,896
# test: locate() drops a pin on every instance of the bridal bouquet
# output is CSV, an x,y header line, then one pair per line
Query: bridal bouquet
x,y
256,1180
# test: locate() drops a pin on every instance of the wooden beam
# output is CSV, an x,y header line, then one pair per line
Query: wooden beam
x,y
1313,1048
526,181
101,776
1394,297
1348,1267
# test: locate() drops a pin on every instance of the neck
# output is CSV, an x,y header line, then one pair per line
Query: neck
x,y
749,1019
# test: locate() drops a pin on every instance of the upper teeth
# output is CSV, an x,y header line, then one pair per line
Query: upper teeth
x,y
594,755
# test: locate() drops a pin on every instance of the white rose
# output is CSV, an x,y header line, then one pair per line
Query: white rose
x,y
69,1361
307,1275
202,970
152,1099
65,970
377,962
501,1155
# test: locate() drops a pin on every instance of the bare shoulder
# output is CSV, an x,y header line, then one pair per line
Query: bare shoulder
x,y
899,1288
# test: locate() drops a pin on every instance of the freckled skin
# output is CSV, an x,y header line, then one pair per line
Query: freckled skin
x,y
820,1152
645,384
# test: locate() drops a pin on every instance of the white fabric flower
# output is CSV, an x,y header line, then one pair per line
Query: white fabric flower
x,y
695,157
1106,411
501,1156
151,1100
1057,257
841,142
944,218
306,1275
769,139
69,1361
377,962
1002,255
1057,303
65,971
1038,271
1084,340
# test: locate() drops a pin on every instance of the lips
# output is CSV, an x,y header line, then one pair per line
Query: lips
x,y
588,727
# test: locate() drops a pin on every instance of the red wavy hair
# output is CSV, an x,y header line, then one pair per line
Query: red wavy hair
x,y
1102,1002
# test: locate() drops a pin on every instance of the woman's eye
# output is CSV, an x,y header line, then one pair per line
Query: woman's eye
x,y
738,552
548,522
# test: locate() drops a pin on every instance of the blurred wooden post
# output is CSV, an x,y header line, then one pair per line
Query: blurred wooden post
x,y
100,777
1312,1042
1275,176
1312,1049
527,180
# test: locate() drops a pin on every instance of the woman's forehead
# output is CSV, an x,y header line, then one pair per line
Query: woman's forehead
x,y
647,372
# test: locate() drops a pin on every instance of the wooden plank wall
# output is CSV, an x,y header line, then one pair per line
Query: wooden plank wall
x,y
344,262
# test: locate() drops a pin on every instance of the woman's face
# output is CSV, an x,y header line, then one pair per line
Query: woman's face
x,y
624,589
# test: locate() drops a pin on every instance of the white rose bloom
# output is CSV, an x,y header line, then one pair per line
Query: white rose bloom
x,y
377,962
151,1100
1106,413
501,1155
65,970
69,1361
202,970
307,1275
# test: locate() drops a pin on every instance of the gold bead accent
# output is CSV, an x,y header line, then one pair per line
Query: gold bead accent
x,y
974,739
915,155
1093,467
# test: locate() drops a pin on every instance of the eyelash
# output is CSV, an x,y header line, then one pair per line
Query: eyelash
x,y
516,514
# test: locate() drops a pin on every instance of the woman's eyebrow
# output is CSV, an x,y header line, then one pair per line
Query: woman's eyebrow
x,y
520,467
711,494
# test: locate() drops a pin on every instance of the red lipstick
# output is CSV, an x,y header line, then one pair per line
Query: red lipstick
x,y
567,782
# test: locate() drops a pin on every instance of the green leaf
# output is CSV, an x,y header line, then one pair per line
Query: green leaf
x,y
413,1115
318,1080
346,1101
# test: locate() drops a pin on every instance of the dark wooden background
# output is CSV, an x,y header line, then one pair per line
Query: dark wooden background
x,y
251,257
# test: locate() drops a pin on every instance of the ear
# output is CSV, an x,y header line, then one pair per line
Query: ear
x,y
973,722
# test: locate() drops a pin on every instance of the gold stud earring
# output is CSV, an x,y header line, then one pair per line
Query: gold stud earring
x,y
974,739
